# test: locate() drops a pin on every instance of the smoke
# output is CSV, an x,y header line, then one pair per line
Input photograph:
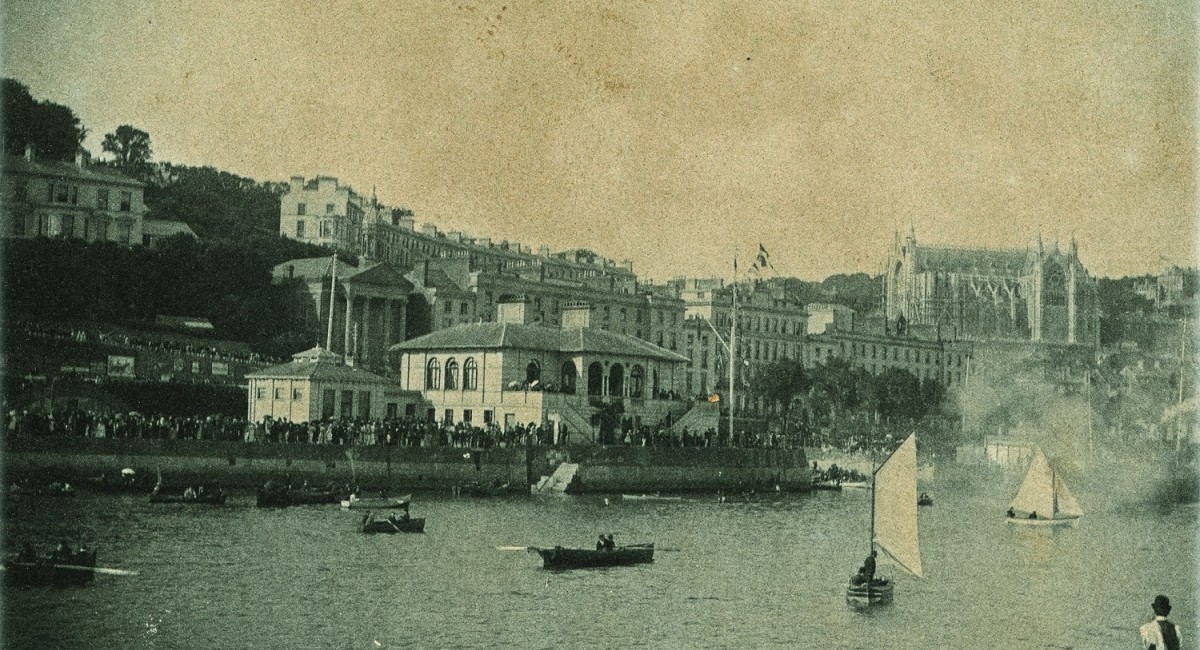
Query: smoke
x,y
1115,441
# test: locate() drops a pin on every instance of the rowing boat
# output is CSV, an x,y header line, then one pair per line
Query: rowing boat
x,y
580,558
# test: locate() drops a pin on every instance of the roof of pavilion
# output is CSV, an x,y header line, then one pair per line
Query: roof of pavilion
x,y
319,365
494,336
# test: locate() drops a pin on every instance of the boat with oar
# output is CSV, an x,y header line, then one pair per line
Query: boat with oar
x,y
53,489
392,524
558,557
1043,498
376,503
649,497
61,569
893,526
281,498
924,499
190,496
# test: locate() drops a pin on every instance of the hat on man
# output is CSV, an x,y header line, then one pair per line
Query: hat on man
x,y
1161,605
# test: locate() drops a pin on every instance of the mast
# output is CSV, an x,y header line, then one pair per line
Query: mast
x,y
733,347
332,288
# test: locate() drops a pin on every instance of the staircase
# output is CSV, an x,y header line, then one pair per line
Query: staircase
x,y
559,480
702,417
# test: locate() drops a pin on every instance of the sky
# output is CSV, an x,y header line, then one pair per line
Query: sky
x,y
676,135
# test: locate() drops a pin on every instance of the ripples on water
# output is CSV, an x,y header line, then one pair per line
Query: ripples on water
x,y
770,574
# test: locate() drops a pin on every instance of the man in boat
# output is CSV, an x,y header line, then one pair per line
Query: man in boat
x,y
1011,513
868,568
1161,634
62,554
609,543
601,543
1033,515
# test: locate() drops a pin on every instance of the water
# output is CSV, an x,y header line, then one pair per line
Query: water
x,y
770,575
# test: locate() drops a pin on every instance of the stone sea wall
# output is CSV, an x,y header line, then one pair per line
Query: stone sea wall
x,y
239,464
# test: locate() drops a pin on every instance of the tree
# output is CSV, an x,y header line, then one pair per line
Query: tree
x,y
53,129
130,148
780,383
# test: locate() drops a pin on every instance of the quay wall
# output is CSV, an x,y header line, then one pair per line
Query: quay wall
x,y
248,465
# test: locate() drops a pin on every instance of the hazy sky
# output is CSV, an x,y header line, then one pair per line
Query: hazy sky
x,y
672,134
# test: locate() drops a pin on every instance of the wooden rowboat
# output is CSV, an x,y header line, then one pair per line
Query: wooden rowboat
x,y
76,571
215,499
383,503
581,558
413,525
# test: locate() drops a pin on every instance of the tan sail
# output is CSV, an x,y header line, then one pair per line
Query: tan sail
x,y
1045,493
896,507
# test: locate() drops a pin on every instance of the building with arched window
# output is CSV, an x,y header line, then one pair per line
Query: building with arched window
x,y
517,372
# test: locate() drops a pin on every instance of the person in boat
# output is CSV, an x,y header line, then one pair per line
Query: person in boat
x,y
601,543
868,568
1033,515
1160,633
404,516
609,543
62,554
1011,513
189,493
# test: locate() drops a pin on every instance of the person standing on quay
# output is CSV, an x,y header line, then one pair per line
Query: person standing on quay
x,y
1161,634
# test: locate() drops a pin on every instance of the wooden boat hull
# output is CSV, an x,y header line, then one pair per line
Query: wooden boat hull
x,y
414,525
873,594
1043,523
375,504
285,498
207,499
924,502
583,558
45,573
649,497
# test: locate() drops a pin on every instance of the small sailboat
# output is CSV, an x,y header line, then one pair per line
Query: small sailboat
x,y
893,524
1043,498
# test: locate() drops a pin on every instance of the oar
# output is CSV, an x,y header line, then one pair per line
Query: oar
x,y
512,548
74,567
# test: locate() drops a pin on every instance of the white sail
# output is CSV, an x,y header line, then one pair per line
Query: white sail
x,y
1036,493
1045,493
896,507
1067,505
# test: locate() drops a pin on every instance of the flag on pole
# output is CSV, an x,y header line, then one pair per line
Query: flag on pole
x,y
763,260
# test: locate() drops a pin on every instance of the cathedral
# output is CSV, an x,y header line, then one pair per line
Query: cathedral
x,y
1037,294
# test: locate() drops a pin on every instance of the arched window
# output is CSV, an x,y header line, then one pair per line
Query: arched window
x,y
637,382
532,372
595,378
470,375
567,378
433,374
616,380
451,375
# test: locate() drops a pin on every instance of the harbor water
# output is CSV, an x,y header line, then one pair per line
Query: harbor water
x,y
770,573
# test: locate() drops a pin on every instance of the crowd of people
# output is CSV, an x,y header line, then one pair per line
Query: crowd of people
x,y
164,344
397,431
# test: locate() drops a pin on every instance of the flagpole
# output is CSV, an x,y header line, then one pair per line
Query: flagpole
x,y
733,348
332,291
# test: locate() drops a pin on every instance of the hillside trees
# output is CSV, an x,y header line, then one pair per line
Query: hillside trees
x,y
227,282
53,129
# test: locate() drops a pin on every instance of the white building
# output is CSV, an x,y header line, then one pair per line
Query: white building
x,y
514,372
316,385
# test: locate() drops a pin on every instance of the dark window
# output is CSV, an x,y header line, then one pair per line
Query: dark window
x,y
470,375
301,208
21,191
328,208
126,201
102,199
300,229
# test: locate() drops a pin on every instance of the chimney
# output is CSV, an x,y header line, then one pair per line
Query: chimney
x,y
513,311
296,184
576,314
544,251
81,158
429,230
29,152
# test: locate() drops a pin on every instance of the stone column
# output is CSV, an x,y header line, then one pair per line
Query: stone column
x,y
366,331
349,316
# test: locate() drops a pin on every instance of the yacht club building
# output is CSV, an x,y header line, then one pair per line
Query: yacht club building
x,y
514,372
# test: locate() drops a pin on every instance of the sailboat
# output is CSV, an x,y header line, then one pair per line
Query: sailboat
x,y
893,523
1043,498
